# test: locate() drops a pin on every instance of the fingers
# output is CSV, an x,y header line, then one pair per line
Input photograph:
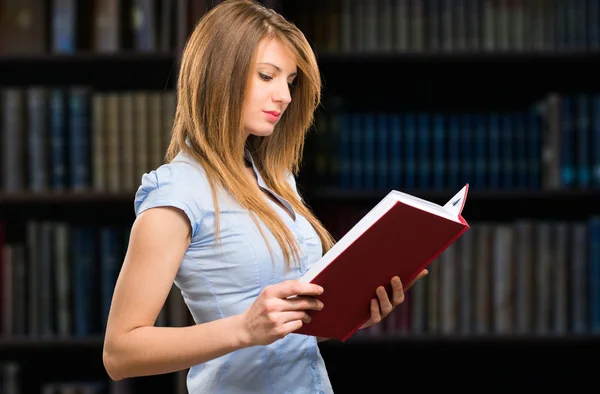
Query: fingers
x,y
289,316
398,291
303,303
382,306
287,327
293,288
290,327
375,313
385,305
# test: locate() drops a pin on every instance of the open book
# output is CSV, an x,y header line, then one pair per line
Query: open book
x,y
400,236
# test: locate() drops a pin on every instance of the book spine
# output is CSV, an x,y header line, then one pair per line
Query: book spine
x,y
582,131
439,157
423,155
369,151
397,164
480,165
410,142
595,159
382,142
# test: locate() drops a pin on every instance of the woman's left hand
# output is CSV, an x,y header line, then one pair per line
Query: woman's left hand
x,y
382,306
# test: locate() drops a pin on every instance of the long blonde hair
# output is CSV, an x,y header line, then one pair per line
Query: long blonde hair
x,y
214,78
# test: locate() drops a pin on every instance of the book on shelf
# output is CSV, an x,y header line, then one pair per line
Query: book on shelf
x,y
400,236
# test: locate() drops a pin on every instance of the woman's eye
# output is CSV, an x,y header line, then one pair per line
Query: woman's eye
x,y
264,77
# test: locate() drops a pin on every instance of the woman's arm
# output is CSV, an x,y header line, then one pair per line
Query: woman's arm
x,y
133,346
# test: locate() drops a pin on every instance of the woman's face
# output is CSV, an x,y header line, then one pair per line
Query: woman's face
x,y
269,94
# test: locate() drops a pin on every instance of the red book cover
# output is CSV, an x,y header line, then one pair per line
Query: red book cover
x,y
400,236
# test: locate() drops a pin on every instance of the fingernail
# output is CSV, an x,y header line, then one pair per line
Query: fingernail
x,y
321,305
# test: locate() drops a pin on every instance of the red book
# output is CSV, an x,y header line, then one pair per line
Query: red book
x,y
400,236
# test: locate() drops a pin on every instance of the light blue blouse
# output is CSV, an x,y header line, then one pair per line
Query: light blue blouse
x,y
217,282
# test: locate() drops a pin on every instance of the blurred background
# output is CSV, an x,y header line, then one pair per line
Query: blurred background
x,y
421,96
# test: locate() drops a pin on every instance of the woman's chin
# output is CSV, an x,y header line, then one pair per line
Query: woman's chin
x,y
263,132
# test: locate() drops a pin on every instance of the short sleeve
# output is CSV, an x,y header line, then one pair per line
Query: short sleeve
x,y
171,185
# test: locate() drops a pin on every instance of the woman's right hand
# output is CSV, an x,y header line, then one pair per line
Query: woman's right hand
x,y
280,309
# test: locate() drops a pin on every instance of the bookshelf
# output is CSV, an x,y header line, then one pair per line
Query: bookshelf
x,y
498,364
28,198
50,344
489,205
413,78
128,70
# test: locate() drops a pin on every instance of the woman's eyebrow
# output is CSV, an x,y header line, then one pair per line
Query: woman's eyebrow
x,y
279,68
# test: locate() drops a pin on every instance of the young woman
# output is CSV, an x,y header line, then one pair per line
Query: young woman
x,y
224,221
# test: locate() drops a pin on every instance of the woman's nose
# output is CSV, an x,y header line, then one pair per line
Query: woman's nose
x,y
282,94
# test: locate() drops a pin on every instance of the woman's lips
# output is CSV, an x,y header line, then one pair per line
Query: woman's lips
x,y
272,115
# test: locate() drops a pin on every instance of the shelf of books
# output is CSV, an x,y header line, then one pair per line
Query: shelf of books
x,y
86,102
418,96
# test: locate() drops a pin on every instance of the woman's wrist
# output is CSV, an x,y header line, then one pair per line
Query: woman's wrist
x,y
241,336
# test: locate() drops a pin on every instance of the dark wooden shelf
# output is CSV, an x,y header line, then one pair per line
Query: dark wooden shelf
x,y
67,197
493,205
413,81
49,343
71,207
472,365
103,71
469,340
464,57
87,57
439,196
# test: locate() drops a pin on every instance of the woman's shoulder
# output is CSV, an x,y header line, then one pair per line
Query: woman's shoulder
x,y
181,183
180,174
